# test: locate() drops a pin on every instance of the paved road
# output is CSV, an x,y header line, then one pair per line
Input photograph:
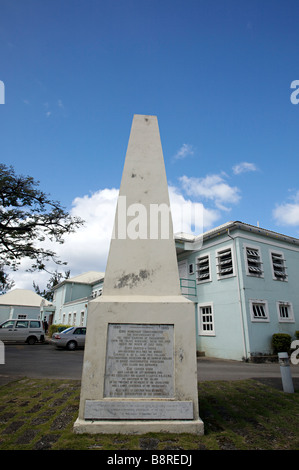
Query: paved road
x,y
44,360
41,361
269,373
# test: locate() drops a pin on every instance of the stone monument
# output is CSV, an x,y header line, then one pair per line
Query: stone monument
x,y
139,371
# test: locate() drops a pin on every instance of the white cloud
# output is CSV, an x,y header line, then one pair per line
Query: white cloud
x,y
183,223
244,167
288,213
184,151
87,249
212,187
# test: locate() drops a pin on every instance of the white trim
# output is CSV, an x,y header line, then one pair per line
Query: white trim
x,y
280,253
266,310
201,331
223,249
258,238
291,318
246,247
207,255
191,271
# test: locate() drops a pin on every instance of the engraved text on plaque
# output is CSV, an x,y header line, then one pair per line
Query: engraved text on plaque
x,y
139,361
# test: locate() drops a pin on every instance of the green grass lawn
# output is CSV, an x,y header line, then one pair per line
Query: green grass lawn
x,y
239,415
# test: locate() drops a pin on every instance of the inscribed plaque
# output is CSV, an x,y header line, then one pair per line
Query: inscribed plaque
x,y
139,361
153,410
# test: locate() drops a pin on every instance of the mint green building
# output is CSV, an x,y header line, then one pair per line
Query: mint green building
x,y
244,283
71,298
243,280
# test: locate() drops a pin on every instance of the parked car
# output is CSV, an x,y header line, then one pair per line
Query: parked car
x,y
29,331
71,338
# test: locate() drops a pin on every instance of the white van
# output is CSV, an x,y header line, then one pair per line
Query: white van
x,y
28,331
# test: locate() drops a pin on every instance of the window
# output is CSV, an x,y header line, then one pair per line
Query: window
x,y
278,266
259,310
253,261
285,312
96,293
225,267
22,316
8,324
82,318
191,268
22,324
80,331
203,273
206,320
35,324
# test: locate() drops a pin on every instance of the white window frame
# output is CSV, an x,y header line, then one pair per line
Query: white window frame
x,y
82,317
263,303
200,313
201,281
258,262
190,269
289,306
279,253
222,251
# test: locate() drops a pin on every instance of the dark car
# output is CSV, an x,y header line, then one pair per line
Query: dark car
x,y
71,338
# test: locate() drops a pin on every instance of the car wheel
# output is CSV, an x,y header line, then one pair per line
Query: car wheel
x,y
71,345
31,340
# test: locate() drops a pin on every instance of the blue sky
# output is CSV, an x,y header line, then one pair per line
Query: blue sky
x,y
216,73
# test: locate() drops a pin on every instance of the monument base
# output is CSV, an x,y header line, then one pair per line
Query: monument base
x,y
138,427
140,367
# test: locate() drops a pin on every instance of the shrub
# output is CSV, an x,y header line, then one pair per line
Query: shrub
x,y
297,334
281,342
59,327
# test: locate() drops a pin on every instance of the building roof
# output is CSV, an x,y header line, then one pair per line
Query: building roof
x,y
23,298
90,277
188,242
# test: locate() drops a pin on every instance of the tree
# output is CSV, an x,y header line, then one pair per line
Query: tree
x,y
5,282
55,279
28,218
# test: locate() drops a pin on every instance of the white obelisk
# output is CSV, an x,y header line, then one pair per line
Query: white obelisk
x,y
139,371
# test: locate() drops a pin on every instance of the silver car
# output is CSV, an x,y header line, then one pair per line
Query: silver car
x,y
71,338
29,331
